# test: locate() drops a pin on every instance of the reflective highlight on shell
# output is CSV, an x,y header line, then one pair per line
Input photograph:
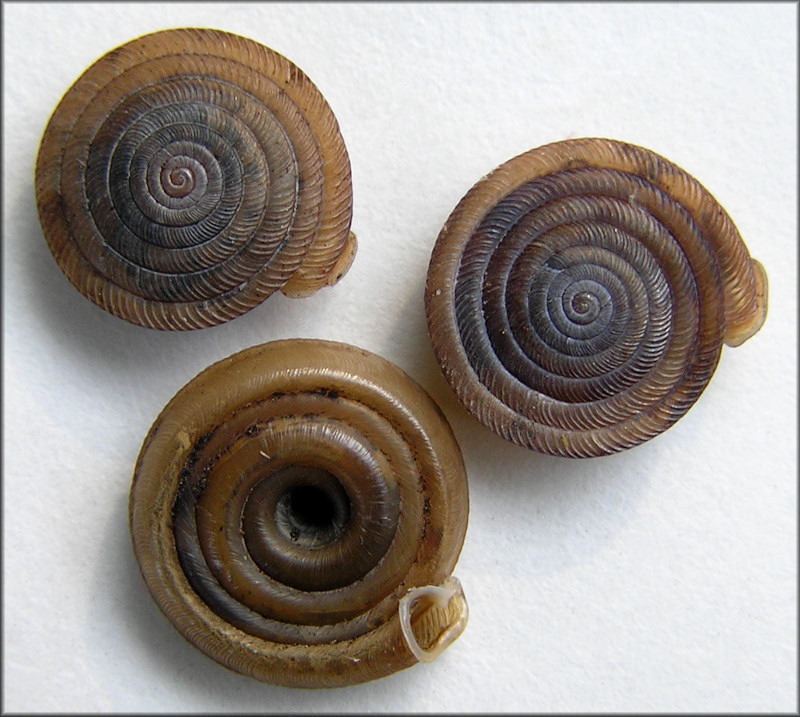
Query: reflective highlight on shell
x,y
189,174
297,510
579,295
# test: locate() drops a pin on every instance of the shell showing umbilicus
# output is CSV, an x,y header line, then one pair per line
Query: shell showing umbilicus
x,y
189,174
296,512
578,296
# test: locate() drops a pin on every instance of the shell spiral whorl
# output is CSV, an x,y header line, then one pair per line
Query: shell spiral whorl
x,y
296,512
579,295
189,174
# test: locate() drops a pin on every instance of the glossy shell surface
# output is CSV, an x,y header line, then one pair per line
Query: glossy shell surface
x,y
579,295
189,174
297,510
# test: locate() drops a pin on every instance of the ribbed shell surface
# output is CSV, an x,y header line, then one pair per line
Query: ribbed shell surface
x,y
579,295
189,174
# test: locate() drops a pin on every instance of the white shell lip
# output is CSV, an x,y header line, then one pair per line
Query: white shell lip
x,y
439,595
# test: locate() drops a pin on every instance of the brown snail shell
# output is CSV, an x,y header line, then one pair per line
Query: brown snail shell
x,y
296,512
579,295
189,174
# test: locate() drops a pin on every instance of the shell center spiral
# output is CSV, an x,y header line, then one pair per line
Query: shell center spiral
x,y
182,175
177,181
584,307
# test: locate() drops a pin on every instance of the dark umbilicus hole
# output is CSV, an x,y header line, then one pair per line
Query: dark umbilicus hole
x,y
313,516
310,506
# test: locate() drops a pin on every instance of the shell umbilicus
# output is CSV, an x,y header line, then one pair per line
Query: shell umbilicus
x,y
296,512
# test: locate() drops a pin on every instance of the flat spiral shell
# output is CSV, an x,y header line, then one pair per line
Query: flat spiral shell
x,y
189,174
579,295
296,512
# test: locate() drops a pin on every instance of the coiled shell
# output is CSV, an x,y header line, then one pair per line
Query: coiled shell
x,y
189,174
578,296
296,512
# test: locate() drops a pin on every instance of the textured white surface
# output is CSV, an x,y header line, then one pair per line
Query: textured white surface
x,y
660,579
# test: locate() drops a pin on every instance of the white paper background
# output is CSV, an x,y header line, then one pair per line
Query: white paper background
x,y
659,579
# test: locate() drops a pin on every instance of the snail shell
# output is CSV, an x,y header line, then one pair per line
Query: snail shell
x,y
189,174
296,512
579,295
